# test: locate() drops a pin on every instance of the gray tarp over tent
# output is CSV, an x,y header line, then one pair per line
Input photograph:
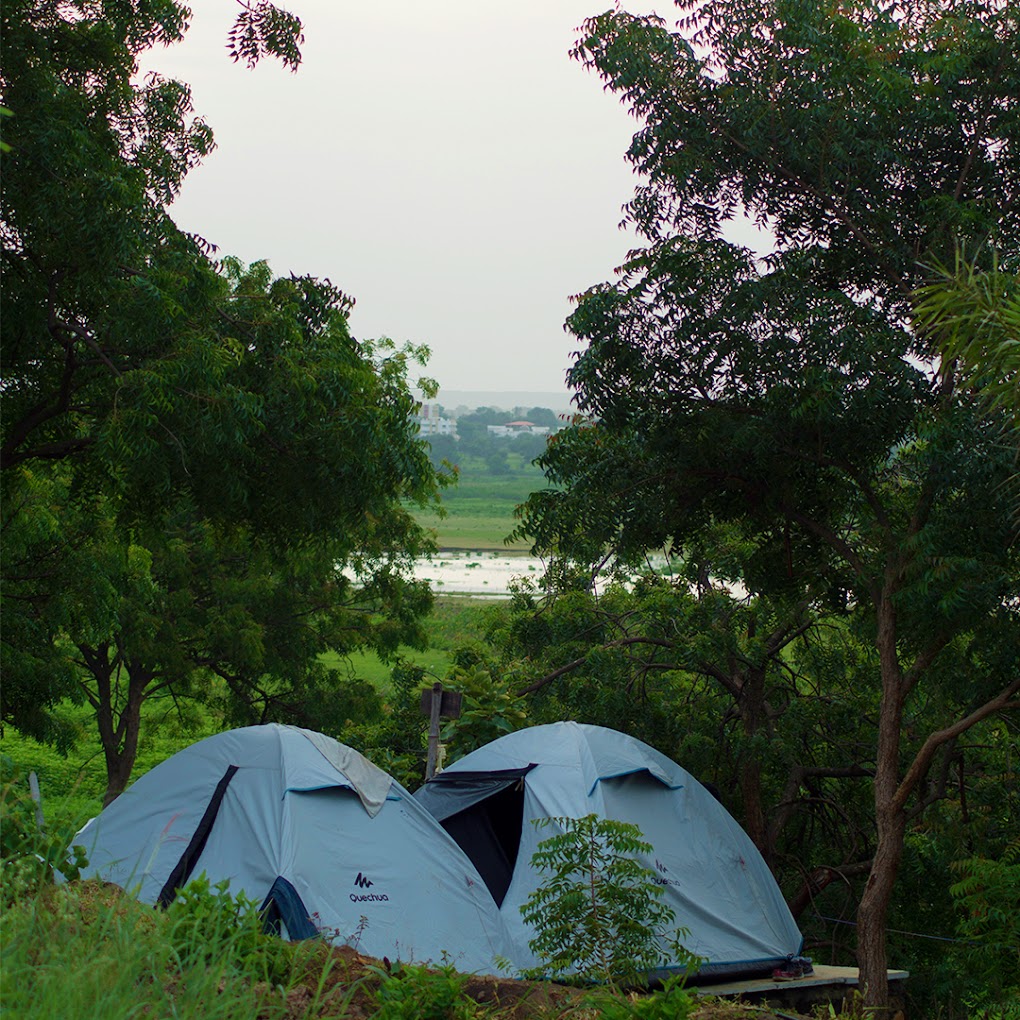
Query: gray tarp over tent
x,y
313,831
713,876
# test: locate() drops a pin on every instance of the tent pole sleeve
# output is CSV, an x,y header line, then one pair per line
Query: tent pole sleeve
x,y
184,867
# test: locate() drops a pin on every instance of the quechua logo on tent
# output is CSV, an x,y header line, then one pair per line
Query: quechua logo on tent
x,y
364,882
661,879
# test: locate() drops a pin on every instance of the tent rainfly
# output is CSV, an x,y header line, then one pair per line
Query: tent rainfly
x,y
312,830
713,876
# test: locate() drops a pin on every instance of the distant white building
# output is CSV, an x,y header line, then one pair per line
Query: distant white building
x,y
431,423
517,428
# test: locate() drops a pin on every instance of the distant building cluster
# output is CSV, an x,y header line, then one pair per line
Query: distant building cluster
x,y
432,423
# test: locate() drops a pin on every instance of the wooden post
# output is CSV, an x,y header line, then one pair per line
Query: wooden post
x,y
434,710
437,703
33,789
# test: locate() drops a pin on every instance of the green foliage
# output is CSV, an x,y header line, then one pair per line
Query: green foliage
x,y
263,29
670,1002
30,855
973,318
988,892
489,710
398,743
774,106
409,992
614,658
597,915
4,112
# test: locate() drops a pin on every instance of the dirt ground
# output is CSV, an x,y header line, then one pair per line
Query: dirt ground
x,y
330,982
352,979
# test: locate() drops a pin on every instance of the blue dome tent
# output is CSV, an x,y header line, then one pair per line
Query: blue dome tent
x,y
713,876
313,831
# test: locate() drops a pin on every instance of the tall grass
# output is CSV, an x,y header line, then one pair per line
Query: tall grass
x,y
87,951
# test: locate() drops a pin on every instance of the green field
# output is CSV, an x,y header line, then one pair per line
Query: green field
x,y
480,507
455,621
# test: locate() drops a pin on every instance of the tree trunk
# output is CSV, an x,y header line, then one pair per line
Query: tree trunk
x,y
122,748
118,772
873,910
752,712
119,724
890,818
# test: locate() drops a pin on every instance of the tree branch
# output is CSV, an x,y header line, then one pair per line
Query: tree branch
x,y
924,659
557,673
922,760
830,538
817,880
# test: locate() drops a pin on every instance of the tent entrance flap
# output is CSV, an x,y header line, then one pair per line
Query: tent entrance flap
x,y
283,906
483,812
450,792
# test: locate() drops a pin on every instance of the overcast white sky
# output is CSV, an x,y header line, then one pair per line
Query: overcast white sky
x,y
445,163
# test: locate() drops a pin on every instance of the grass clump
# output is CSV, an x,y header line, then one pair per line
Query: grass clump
x,y
77,950
86,949
417,993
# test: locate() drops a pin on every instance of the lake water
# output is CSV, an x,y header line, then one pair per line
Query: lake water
x,y
486,573
475,572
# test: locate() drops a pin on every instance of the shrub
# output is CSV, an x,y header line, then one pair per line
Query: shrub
x,y
489,709
989,893
598,915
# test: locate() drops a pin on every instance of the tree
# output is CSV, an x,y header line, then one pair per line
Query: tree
x,y
207,612
730,686
789,397
188,445
158,603
472,430
544,417
442,448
